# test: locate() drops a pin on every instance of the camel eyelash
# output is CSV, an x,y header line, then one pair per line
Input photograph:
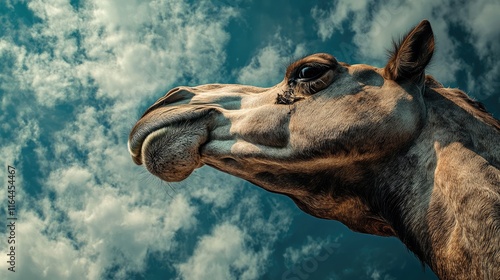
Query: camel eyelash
x,y
288,97
307,85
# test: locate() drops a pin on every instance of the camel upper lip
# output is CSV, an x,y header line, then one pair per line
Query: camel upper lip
x,y
151,122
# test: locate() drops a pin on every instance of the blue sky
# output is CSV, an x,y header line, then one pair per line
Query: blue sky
x,y
76,75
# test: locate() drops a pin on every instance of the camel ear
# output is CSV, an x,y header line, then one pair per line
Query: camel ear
x,y
411,55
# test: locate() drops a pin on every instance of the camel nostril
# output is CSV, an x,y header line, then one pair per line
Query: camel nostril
x,y
175,96
229,161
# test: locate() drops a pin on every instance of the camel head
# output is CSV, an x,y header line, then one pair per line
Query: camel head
x,y
386,151
313,136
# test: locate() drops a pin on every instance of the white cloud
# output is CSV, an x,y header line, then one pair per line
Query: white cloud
x,y
221,253
126,49
110,230
330,21
240,247
375,275
268,66
37,250
265,226
117,230
101,194
105,60
375,28
481,19
219,193
487,84
72,177
379,273
27,131
9,53
311,248
154,44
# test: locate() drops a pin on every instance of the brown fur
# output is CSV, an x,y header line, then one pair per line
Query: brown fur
x,y
386,151
461,99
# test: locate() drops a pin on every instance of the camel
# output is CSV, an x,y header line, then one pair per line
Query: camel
x,y
386,151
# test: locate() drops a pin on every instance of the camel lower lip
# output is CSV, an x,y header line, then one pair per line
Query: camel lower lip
x,y
158,121
172,153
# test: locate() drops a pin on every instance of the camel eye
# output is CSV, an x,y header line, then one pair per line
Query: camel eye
x,y
308,73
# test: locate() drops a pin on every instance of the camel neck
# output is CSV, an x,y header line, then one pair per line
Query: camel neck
x,y
442,197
